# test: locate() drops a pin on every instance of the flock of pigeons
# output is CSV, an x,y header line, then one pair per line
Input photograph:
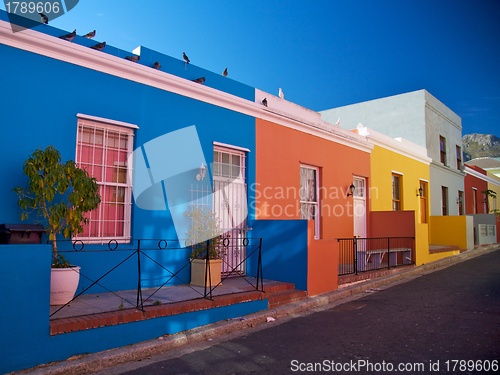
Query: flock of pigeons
x,y
134,58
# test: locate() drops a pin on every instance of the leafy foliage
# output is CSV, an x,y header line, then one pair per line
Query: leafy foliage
x,y
204,233
58,195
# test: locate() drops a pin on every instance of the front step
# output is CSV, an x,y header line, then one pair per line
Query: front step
x,y
283,297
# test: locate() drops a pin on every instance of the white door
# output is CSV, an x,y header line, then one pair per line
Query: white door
x,y
230,206
359,207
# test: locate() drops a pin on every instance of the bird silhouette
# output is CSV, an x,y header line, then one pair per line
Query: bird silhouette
x,y
133,58
99,46
199,80
90,35
281,94
44,18
156,65
186,59
224,73
264,101
69,37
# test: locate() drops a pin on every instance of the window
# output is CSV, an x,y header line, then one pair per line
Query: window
x,y
460,202
397,203
444,200
423,201
442,149
102,149
309,196
459,158
229,163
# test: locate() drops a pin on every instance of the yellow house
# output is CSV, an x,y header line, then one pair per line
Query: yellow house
x,y
400,183
494,187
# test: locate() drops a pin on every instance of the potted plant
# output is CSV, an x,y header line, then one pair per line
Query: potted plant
x,y
58,195
206,242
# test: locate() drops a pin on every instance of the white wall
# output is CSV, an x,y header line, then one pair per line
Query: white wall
x,y
395,116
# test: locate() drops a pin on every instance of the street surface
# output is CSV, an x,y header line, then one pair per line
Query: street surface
x,y
444,322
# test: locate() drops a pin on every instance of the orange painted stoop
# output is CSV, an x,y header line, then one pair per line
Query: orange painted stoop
x,y
282,294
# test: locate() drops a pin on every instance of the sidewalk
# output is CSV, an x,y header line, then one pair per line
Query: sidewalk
x,y
100,361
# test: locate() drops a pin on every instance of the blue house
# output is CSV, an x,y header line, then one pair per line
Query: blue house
x,y
159,135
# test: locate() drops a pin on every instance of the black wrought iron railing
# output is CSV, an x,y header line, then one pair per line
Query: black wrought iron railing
x,y
368,254
154,264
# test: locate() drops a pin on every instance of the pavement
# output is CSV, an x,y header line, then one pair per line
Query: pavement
x,y
92,363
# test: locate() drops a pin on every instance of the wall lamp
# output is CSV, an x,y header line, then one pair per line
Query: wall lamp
x,y
420,192
202,172
352,188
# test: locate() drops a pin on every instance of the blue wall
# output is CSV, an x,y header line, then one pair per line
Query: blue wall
x,y
36,113
284,250
25,313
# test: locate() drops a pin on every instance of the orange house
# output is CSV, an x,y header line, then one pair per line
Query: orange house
x,y
309,169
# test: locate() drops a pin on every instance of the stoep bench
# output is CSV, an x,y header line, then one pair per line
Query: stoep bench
x,y
375,257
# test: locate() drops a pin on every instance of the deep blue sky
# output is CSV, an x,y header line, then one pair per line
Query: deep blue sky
x,y
323,53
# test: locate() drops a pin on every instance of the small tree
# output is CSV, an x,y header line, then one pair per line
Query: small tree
x,y
491,193
204,227
58,194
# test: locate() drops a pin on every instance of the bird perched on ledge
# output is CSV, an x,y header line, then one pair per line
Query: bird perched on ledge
x,y
186,59
69,37
281,94
90,35
224,73
199,80
44,18
133,58
99,46
157,65
264,101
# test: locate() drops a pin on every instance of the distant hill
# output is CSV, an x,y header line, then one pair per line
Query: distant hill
x,y
480,145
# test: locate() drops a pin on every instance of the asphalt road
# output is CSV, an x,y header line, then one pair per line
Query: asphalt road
x,y
443,322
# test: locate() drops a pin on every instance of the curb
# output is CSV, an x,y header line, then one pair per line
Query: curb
x,y
91,363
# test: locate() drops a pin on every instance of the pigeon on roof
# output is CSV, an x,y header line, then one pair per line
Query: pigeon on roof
x,y
90,35
157,65
44,18
224,73
281,94
99,46
199,80
186,59
133,58
69,37
264,101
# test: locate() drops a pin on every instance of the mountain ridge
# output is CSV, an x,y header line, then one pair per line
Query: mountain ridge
x,y
478,145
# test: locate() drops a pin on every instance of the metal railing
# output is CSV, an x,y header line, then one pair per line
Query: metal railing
x,y
368,254
166,262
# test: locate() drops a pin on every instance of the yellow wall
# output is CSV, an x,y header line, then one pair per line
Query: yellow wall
x,y
383,163
452,230
496,189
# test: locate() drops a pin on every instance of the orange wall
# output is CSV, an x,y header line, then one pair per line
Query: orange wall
x,y
392,223
279,153
323,263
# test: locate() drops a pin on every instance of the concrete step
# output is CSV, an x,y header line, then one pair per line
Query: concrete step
x,y
286,296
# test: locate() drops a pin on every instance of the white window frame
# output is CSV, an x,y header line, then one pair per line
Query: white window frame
x,y
308,200
126,130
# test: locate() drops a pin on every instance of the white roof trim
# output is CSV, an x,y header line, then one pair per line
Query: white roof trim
x,y
50,46
225,145
481,176
107,121
397,145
